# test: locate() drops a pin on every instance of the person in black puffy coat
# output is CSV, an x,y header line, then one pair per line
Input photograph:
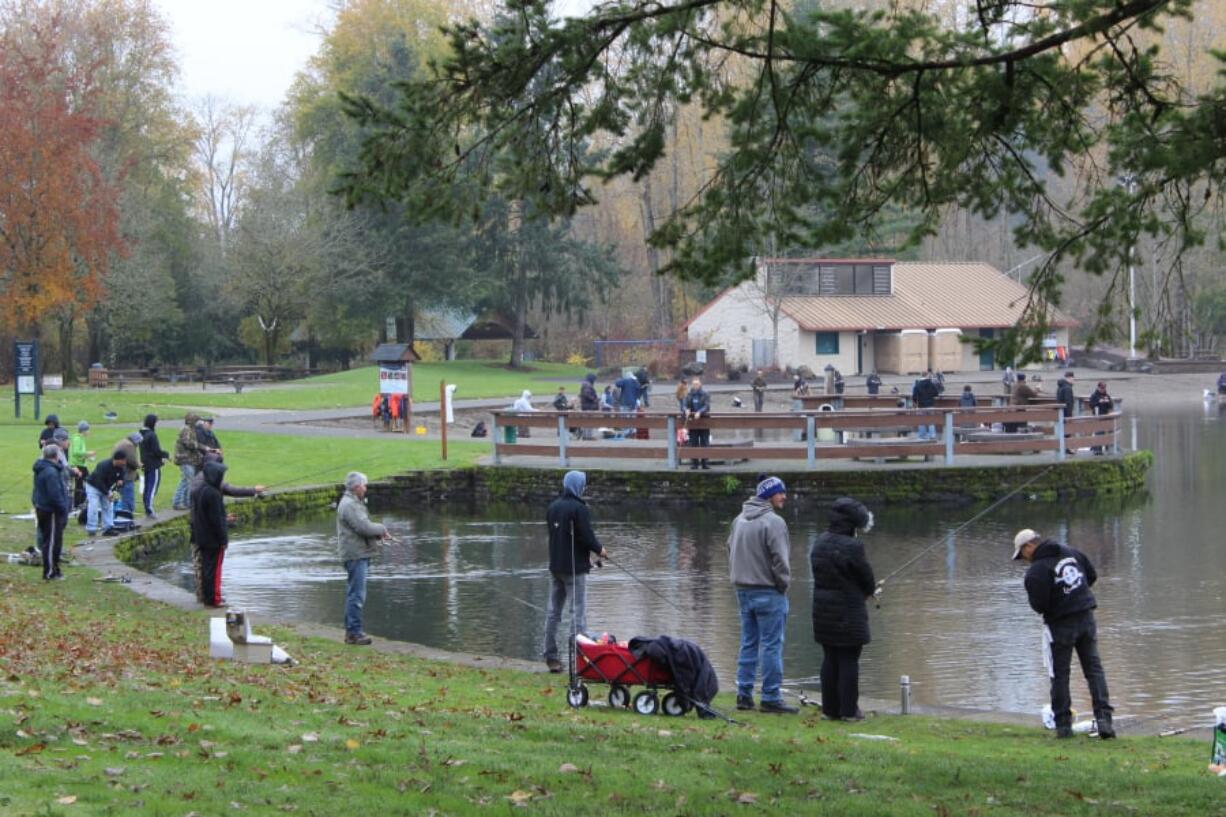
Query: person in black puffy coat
x,y
842,583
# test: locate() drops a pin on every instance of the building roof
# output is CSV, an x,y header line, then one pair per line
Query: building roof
x,y
925,296
456,324
394,353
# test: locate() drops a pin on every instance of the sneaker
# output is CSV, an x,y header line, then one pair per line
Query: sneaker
x,y
110,532
555,666
744,702
777,708
360,639
151,515
1106,730
705,467
1063,732
856,718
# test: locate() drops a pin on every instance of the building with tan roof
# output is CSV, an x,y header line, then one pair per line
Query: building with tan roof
x,y
866,314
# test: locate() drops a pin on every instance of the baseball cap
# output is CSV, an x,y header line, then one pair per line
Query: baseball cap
x,y
1023,536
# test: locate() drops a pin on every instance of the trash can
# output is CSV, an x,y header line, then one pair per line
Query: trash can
x,y
510,434
826,434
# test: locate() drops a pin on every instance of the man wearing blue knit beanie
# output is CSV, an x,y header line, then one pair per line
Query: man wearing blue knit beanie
x,y
759,569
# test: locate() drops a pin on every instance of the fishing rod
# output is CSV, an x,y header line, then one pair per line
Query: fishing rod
x,y
945,536
631,574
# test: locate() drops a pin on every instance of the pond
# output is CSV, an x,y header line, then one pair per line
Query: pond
x,y
472,580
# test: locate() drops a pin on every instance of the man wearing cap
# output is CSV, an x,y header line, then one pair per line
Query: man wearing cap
x,y
571,545
758,567
189,456
205,435
78,458
1058,586
98,486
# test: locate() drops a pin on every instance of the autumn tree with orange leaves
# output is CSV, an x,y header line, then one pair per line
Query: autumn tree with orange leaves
x,y
58,213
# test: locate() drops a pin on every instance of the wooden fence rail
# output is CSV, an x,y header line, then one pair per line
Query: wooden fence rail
x,y
807,436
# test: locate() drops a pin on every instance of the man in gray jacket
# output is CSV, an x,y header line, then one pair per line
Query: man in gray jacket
x,y
357,540
759,568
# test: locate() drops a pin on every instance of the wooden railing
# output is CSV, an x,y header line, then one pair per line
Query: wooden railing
x,y
847,434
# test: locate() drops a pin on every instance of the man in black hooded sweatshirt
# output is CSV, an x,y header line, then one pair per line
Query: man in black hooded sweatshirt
x,y
842,583
1058,586
152,457
210,531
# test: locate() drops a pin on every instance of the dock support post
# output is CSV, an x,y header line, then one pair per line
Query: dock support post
x,y
672,441
811,440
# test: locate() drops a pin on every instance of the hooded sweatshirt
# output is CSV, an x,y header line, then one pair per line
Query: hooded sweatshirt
x,y
49,494
1059,580
152,456
758,548
208,516
524,403
571,538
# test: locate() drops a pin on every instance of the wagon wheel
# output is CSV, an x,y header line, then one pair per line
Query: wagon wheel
x,y
674,705
576,696
646,703
619,697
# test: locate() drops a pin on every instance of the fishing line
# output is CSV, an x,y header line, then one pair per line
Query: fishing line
x,y
628,572
945,536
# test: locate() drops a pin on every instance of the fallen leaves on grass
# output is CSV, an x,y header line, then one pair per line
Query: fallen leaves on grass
x,y
32,749
66,800
352,744
568,768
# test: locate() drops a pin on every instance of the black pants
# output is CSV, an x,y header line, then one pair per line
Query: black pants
x,y
51,529
1080,633
700,438
210,576
78,487
840,680
153,481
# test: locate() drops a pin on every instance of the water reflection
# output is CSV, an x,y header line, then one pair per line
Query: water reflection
x,y
957,621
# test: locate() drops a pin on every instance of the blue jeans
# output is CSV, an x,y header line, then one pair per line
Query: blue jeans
x,y
928,432
559,590
127,493
355,594
99,506
764,612
186,471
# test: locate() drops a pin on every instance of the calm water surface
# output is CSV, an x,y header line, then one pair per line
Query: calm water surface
x,y
957,621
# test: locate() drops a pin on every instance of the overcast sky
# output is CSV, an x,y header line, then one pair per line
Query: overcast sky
x,y
248,51
243,50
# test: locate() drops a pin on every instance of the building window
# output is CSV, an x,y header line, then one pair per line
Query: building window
x,y
827,343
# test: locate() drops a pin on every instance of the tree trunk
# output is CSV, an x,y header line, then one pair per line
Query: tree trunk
x,y
520,299
66,363
519,292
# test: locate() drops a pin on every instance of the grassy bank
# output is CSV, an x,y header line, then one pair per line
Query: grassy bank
x,y
273,460
474,378
109,705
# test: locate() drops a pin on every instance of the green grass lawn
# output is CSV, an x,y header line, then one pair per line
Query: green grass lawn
x,y
255,459
109,704
475,378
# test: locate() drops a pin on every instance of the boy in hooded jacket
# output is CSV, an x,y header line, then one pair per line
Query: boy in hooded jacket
x,y
210,531
571,544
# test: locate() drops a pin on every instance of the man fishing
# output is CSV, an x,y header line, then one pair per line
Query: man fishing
x,y
759,569
358,540
571,544
1058,586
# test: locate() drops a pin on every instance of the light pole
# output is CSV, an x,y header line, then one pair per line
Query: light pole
x,y
1130,183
